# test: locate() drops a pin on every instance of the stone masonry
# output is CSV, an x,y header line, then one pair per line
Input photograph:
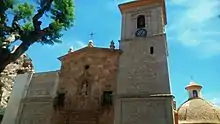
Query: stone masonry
x,y
97,66
7,77
36,106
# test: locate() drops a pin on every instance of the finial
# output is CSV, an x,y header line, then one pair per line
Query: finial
x,y
174,104
192,80
112,45
70,49
91,40
191,77
90,43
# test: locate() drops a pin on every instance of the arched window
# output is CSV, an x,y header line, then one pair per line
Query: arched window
x,y
195,93
140,21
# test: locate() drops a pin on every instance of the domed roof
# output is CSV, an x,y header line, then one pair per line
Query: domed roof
x,y
197,110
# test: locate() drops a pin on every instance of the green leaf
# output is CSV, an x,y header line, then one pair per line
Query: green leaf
x,y
61,14
28,27
63,11
6,4
24,11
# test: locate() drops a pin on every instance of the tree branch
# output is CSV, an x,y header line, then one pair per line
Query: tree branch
x,y
9,57
11,38
3,18
40,13
15,25
14,32
27,41
62,17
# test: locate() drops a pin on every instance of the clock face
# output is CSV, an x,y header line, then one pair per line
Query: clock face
x,y
141,33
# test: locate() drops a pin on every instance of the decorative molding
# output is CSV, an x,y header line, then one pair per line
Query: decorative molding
x,y
38,99
142,95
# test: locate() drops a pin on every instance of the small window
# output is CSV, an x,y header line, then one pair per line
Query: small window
x,y
86,67
59,100
195,93
107,98
140,21
151,50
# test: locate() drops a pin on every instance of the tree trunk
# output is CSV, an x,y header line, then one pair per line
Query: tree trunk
x,y
6,57
4,54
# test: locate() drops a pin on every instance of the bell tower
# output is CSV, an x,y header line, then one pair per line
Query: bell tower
x,y
143,92
142,18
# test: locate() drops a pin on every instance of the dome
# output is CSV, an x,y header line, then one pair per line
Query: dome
x,y
198,111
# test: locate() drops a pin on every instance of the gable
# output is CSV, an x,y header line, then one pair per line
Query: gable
x,y
90,51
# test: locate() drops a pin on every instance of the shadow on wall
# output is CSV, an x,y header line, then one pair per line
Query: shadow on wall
x,y
1,117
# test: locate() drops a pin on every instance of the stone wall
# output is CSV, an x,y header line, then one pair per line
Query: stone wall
x,y
157,110
141,72
37,105
7,77
18,93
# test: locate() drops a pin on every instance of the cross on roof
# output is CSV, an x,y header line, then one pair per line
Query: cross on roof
x,y
91,34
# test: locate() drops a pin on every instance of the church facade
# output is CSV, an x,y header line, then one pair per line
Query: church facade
x,y
104,85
